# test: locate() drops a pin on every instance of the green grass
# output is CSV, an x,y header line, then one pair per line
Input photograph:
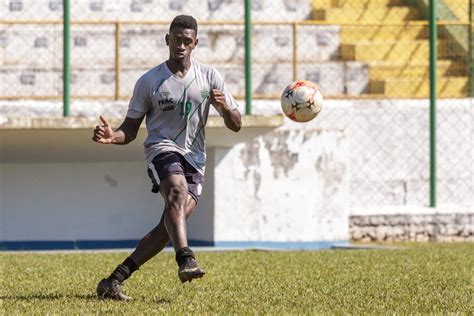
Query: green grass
x,y
421,278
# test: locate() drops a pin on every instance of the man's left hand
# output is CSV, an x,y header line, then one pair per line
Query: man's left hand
x,y
231,117
218,100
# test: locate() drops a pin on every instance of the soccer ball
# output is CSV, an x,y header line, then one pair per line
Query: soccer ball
x,y
301,101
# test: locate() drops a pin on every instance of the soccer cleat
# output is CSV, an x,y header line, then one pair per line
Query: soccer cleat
x,y
111,289
189,270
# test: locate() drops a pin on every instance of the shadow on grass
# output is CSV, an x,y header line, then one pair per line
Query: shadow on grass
x,y
49,297
85,297
161,301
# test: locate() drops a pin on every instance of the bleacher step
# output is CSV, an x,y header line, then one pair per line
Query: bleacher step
x,y
452,87
357,33
409,70
367,15
397,51
356,3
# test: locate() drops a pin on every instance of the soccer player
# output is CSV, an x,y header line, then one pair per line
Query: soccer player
x,y
175,97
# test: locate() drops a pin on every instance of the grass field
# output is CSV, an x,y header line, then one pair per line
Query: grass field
x,y
420,278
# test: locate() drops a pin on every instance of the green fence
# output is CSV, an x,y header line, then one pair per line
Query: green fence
x,y
371,53
353,49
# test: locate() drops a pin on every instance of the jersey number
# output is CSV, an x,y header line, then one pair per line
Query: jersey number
x,y
185,107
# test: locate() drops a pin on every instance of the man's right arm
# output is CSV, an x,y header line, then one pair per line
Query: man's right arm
x,y
127,131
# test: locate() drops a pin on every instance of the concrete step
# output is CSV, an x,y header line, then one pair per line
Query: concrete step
x,y
403,51
370,3
356,33
334,78
318,4
460,8
366,15
146,10
447,87
144,45
412,70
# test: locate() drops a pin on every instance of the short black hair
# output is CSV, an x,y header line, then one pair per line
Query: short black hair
x,y
184,21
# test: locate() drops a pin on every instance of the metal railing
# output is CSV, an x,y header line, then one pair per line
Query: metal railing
x,y
361,57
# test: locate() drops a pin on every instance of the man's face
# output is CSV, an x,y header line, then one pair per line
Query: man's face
x,y
181,43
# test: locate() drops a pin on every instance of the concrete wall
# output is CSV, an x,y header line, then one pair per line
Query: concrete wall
x,y
143,46
155,9
388,145
413,224
288,185
280,187
389,168
386,173
389,150
335,78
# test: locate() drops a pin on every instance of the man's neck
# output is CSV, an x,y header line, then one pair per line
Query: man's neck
x,y
180,69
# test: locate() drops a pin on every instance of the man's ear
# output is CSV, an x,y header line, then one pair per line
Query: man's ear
x,y
167,40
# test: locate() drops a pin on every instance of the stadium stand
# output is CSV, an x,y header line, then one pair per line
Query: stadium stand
x,y
31,53
362,47
379,34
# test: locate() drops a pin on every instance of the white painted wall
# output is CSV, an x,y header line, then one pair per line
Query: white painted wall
x,y
76,200
287,185
387,167
387,140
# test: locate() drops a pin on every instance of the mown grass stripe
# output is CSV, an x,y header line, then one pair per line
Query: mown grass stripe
x,y
417,279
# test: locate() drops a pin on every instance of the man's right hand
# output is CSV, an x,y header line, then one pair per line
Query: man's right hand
x,y
103,133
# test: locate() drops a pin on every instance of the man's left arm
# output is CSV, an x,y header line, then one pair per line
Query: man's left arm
x,y
232,118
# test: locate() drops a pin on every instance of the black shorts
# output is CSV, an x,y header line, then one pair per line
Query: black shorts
x,y
169,163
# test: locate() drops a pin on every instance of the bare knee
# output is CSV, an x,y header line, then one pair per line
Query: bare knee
x,y
176,198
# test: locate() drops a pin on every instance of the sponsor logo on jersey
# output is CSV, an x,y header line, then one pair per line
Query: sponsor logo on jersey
x,y
166,103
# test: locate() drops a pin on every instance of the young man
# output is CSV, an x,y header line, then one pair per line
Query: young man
x,y
175,97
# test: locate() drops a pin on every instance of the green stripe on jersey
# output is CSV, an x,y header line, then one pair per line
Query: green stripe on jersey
x,y
185,89
157,88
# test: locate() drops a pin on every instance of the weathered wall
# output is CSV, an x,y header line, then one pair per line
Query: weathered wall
x,y
289,185
141,10
387,165
388,145
389,149
142,46
412,227
275,188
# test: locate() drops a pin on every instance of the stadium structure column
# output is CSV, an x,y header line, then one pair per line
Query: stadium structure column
x,y
433,57
471,51
66,57
248,57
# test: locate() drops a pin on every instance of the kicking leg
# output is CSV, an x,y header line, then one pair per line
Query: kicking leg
x,y
149,246
157,239
174,188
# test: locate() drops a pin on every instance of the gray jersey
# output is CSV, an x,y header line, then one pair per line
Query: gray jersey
x,y
176,110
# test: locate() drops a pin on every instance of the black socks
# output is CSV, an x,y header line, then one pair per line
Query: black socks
x,y
183,254
124,270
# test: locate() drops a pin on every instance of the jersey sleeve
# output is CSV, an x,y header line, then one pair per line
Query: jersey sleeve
x,y
218,83
139,103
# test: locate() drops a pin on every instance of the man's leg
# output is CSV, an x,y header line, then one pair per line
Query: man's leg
x,y
149,246
157,239
175,191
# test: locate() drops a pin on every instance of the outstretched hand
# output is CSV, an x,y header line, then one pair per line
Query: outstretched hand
x,y
103,133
